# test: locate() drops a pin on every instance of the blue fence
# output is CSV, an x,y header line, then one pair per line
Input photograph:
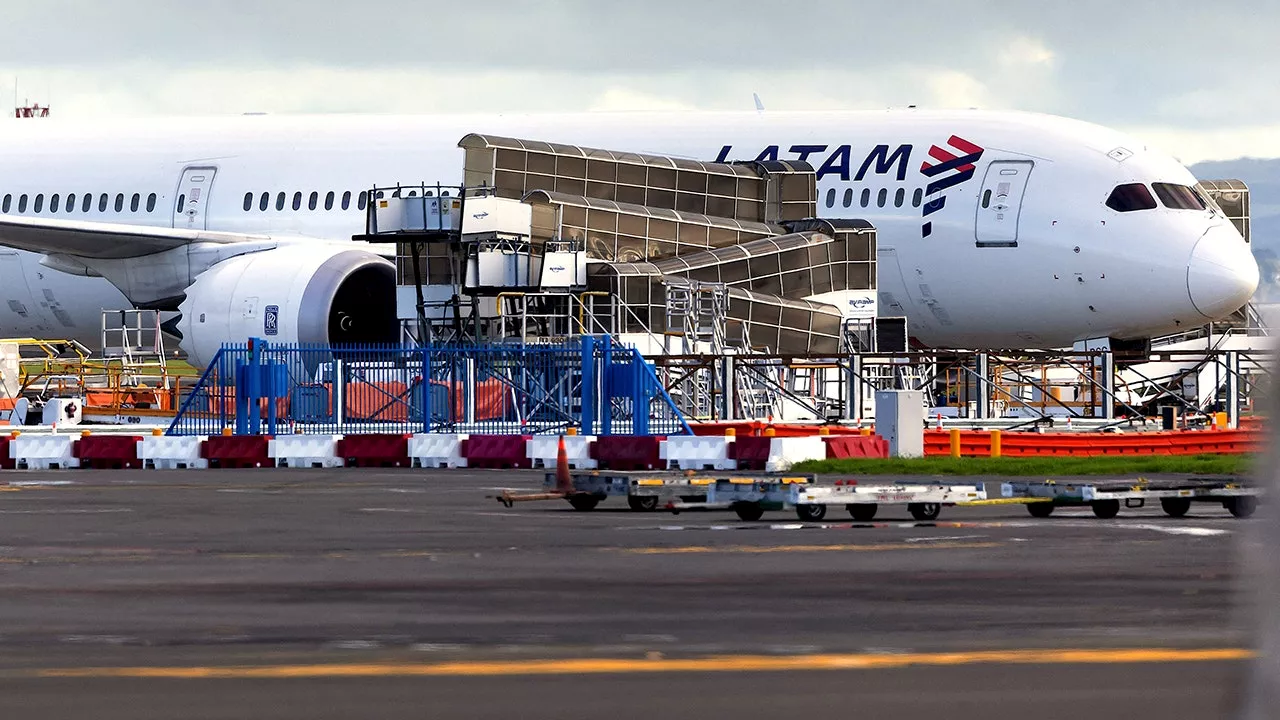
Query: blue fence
x,y
592,384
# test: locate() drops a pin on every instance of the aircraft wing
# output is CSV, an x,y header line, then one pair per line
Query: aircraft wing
x,y
104,241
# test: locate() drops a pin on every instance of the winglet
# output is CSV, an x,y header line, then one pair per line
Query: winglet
x,y
759,104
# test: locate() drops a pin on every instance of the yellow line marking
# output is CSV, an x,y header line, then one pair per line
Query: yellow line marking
x,y
1003,501
757,549
723,663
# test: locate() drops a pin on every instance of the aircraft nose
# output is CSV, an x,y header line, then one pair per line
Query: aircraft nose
x,y
1222,274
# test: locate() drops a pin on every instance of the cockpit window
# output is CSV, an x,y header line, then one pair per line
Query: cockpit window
x,y
1131,197
1178,197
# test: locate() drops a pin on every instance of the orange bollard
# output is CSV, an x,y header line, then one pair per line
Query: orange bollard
x,y
563,482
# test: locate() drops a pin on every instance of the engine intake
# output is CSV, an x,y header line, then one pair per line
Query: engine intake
x,y
292,294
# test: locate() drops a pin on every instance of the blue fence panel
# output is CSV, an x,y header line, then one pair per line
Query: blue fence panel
x,y
590,384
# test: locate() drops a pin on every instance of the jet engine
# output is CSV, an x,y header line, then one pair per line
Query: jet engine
x,y
303,293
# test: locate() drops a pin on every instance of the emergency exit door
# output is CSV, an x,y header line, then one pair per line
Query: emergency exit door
x,y
1000,202
191,205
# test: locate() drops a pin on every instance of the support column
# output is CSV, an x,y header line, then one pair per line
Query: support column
x,y
1108,362
1232,388
726,388
982,368
853,389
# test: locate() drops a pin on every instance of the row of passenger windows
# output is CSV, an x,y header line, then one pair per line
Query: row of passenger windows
x,y
882,198
86,203
1136,196
313,201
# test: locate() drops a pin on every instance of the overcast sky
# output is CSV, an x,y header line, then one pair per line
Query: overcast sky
x,y
1198,79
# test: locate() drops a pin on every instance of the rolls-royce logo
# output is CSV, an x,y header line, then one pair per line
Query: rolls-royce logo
x,y
271,320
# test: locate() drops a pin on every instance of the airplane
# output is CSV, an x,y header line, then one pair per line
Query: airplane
x,y
996,230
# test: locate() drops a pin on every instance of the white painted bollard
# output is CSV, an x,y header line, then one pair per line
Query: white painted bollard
x,y
787,451
305,451
693,452
542,449
163,452
43,452
435,450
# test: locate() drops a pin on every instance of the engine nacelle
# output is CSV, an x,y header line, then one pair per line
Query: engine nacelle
x,y
300,293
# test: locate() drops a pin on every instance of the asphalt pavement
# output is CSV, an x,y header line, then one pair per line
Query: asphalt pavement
x,y
396,593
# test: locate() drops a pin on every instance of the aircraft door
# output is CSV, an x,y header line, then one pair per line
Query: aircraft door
x,y
190,209
1000,202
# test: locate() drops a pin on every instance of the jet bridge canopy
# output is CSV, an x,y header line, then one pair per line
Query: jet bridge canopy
x,y
755,192
1232,197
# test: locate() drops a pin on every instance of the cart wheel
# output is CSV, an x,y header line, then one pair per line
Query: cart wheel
x,y
1040,509
1175,506
1106,509
1241,506
811,512
862,512
749,511
643,503
925,511
584,502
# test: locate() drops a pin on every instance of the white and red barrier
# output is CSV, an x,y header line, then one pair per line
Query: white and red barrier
x,y
305,451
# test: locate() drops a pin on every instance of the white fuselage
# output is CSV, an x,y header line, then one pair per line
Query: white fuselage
x,y
1016,248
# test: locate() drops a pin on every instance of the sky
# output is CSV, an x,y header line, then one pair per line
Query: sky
x,y
1196,79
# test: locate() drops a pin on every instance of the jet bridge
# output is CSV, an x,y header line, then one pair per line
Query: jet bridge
x,y
546,231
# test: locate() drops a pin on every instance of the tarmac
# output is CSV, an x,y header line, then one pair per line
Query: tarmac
x,y
411,593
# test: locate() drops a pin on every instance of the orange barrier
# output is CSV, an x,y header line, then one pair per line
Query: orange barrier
x,y
1026,444
756,428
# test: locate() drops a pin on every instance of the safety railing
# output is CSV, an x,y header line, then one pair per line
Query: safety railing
x,y
590,383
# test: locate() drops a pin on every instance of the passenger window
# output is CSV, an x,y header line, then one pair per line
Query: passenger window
x,y
53,203
71,202
120,203
134,202
986,199
1131,197
346,200
151,202
280,201
848,197
264,202
22,203
87,203
248,201
831,197
917,197
8,203
39,204
883,197
102,203
866,197
361,200
899,197
313,200
1178,197
328,200
297,201
182,203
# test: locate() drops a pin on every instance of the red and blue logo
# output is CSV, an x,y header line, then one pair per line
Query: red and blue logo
x,y
950,166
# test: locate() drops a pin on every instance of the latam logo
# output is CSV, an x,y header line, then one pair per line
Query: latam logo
x,y
841,160
951,166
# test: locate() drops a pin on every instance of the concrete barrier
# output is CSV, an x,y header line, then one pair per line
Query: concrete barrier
x,y
787,451
431,450
162,452
305,451
692,452
43,452
543,449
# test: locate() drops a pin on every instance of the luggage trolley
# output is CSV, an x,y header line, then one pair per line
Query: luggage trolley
x,y
1105,496
749,498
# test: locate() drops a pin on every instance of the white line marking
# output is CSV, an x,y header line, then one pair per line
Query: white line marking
x,y
1179,530
68,511
37,483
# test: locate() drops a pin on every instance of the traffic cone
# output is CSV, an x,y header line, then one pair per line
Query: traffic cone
x,y
564,483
